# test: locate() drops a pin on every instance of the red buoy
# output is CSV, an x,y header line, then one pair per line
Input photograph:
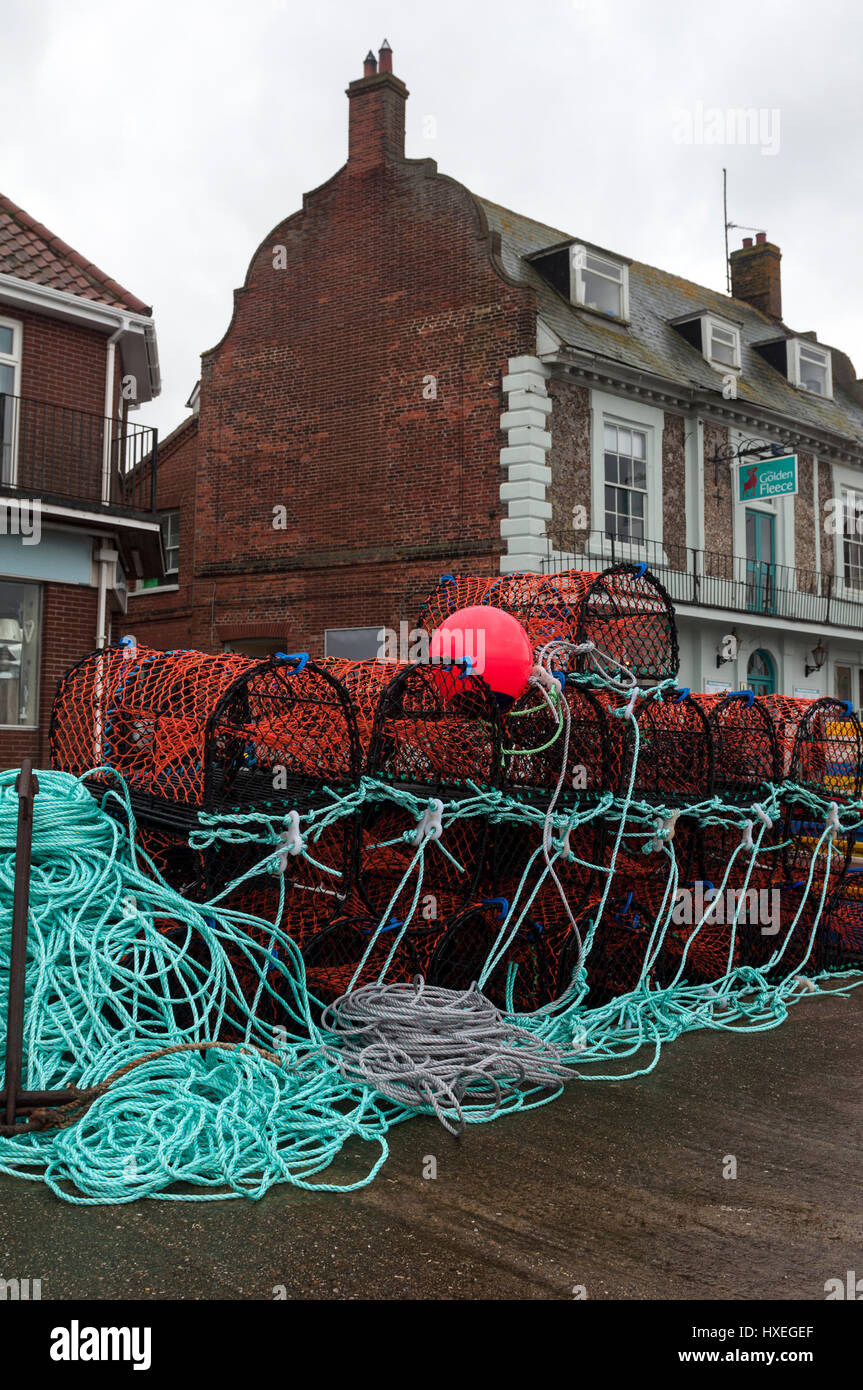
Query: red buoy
x,y
489,643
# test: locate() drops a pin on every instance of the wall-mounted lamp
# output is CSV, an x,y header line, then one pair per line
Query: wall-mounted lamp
x,y
819,656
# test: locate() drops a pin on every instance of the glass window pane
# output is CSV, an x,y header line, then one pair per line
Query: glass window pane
x,y
636,502
611,468
601,266
601,294
624,441
610,494
611,438
626,472
813,378
7,378
354,643
20,643
721,351
639,444
639,475
6,340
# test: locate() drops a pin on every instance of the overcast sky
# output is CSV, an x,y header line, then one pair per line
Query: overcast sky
x,y
165,140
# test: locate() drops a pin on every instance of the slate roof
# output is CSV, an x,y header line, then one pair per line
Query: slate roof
x,y
29,251
649,343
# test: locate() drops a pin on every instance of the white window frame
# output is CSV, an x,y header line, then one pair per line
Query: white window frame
x,y
795,376
842,486
577,265
13,360
173,512
709,323
626,414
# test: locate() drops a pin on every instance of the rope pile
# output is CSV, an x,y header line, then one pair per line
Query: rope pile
x,y
424,1046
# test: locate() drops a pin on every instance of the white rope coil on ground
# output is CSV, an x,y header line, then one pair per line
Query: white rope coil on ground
x,y
435,1048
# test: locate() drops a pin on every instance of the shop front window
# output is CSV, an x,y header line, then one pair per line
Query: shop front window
x,y
20,641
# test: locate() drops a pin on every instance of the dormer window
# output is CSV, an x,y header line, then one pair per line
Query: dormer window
x,y
597,282
716,339
723,343
809,367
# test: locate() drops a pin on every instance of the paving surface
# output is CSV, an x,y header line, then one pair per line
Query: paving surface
x,y
617,1187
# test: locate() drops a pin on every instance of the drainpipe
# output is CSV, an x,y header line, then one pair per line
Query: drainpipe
x,y
106,559
109,410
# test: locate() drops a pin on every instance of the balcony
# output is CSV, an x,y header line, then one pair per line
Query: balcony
x,y
72,459
709,579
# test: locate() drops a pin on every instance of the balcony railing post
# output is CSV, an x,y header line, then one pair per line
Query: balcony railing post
x,y
829,597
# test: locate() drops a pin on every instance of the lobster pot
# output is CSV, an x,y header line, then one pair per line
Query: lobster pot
x,y
280,734
616,958
363,682
840,945
745,758
745,745
539,752
144,714
332,957
624,610
303,893
671,767
675,752
825,759
168,849
431,737
283,738
526,974
578,768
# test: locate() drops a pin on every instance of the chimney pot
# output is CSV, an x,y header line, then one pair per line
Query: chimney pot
x,y
760,238
370,64
385,54
747,241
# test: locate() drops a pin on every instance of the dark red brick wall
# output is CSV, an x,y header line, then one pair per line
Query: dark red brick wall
x,y
68,633
166,620
313,401
61,362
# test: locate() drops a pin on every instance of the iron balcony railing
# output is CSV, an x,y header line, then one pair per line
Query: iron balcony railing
x,y
710,579
52,451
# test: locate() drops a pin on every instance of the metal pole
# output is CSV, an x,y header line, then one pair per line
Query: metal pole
x,y
26,787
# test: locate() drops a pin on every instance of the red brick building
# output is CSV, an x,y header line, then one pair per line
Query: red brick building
x,y
77,475
415,380
340,455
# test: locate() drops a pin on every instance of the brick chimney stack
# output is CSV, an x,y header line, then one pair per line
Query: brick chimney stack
x,y
755,275
376,113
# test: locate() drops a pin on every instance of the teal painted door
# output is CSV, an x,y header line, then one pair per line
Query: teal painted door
x,y
760,562
761,673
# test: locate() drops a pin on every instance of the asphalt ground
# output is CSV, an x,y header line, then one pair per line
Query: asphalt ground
x,y
614,1190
